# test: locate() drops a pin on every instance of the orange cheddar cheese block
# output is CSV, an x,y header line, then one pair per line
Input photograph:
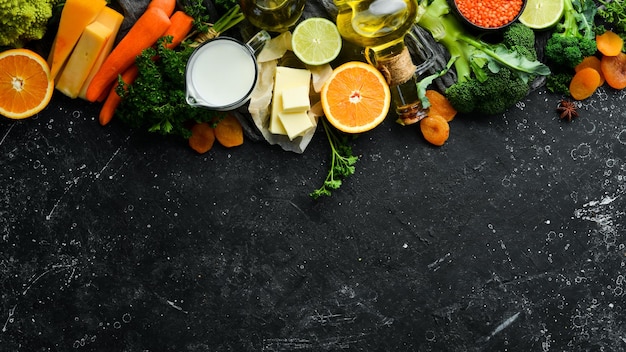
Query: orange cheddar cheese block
x,y
110,19
83,57
75,16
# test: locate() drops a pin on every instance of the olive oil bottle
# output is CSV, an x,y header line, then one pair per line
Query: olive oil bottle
x,y
272,15
380,26
375,23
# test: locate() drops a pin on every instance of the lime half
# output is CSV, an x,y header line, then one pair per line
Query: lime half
x,y
542,14
316,41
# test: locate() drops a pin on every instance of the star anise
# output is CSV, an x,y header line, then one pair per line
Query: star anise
x,y
567,110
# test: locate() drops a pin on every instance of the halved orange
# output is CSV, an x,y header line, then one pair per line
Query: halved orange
x,y
356,97
26,86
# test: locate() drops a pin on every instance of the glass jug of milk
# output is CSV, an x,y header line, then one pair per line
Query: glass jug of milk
x,y
222,72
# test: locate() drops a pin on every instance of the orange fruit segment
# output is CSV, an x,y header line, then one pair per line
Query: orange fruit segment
x,y
356,97
26,86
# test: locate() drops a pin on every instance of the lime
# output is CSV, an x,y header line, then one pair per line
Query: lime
x,y
542,14
316,41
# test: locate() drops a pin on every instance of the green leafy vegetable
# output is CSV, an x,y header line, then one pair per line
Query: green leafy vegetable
x,y
574,36
341,164
491,77
226,3
156,99
425,82
613,14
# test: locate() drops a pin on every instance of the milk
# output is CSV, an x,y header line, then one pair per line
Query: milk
x,y
221,74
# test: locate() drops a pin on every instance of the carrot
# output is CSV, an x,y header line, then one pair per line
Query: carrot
x,y
167,6
180,26
440,105
593,62
584,83
435,129
489,13
202,137
113,99
144,33
609,43
229,132
614,70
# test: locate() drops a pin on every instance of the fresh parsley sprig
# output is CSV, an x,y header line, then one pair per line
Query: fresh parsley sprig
x,y
341,163
156,99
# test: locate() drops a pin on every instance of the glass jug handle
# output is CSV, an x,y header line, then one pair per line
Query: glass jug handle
x,y
258,41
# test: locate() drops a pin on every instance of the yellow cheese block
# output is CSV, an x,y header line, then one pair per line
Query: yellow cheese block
x,y
113,20
295,123
285,78
82,59
296,99
75,16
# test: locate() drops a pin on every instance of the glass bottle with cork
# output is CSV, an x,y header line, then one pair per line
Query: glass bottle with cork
x,y
380,26
272,15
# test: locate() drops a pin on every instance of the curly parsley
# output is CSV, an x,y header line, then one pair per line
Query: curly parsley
x,y
341,163
156,99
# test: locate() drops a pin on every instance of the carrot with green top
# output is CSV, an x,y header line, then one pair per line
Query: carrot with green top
x,y
181,25
149,27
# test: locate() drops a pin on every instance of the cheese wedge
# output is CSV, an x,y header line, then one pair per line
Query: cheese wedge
x,y
296,99
295,123
113,20
285,78
75,16
85,54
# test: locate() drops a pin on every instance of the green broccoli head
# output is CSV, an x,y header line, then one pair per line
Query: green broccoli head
x,y
493,96
568,51
521,39
24,20
574,37
519,35
558,82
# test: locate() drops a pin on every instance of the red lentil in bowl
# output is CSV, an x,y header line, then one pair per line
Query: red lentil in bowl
x,y
489,14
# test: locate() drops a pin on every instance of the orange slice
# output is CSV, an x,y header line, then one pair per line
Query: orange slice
x,y
356,97
25,83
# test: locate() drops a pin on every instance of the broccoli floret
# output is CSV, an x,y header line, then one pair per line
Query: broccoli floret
x,y
24,20
490,77
574,37
520,35
472,54
498,92
559,82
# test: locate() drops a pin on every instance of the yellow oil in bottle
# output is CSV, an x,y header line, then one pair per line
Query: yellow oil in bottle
x,y
372,23
380,26
272,15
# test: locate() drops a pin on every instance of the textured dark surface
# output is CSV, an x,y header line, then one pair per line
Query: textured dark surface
x,y
510,237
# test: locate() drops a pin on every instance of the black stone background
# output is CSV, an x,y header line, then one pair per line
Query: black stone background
x,y
510,237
